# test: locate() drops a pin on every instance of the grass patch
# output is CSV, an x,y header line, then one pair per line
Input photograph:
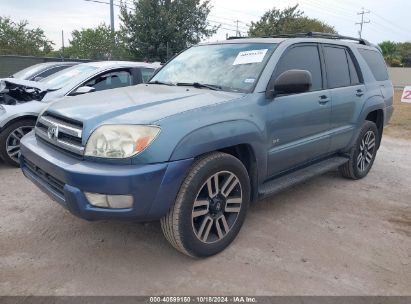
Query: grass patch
x,y
400,123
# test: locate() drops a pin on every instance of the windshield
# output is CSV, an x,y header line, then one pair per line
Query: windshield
x,y
60,79
232,67
29,72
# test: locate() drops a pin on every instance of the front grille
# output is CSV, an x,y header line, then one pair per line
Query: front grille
x,y
46,178
61,132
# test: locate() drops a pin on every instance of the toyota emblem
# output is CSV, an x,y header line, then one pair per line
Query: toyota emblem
x,y
53,132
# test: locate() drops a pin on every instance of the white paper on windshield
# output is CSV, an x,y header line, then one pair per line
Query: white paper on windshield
x,y
252,56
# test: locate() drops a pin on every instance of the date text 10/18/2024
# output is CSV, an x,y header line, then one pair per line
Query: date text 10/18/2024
x,y
205,299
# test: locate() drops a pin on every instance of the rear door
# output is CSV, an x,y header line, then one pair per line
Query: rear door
x,y
298,124
345,83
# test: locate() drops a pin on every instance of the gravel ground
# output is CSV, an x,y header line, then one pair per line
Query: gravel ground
x,y
328,236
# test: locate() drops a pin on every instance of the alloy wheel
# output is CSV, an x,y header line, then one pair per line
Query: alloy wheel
x,y
367,151
13,142
217,206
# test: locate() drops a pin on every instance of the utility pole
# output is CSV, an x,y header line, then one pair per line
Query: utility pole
x,y
361,24
62,44
112,15
237,32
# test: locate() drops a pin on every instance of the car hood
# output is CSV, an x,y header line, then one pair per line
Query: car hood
x,y
16,91
141,104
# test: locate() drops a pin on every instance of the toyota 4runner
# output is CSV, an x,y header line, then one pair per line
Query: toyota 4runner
x,y
219,126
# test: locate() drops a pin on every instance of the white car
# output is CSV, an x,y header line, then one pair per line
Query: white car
x,y
21,101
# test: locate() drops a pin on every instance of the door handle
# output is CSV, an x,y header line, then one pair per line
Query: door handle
x,y
323,99
359,92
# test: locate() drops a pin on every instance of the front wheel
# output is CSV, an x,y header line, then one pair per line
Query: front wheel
x,y
10,140
210,207
363,153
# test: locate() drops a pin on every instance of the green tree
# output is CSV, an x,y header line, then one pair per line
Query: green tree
x,y
287,21
98,43
156,29
404,52
17,39
390,52
388,48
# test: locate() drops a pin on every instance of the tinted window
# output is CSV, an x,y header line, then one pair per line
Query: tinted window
x,y
376,64
338,74
146,74
302,58
110,81
52,71
355,79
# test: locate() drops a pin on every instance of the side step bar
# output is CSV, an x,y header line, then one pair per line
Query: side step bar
x,y
285,181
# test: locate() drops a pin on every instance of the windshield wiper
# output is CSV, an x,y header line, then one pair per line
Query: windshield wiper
x,y
161,82
200,85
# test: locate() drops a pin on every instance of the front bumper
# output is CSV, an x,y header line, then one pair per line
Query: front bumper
x,y
65,178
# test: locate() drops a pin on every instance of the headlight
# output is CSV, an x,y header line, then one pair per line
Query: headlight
x,y
120,141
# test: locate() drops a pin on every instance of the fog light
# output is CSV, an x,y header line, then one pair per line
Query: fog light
x,y
109,201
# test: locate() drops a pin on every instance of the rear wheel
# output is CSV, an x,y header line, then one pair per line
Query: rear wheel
x,y
363,153
210,207
10,140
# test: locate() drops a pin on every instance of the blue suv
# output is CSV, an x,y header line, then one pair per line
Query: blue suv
x,y
219,126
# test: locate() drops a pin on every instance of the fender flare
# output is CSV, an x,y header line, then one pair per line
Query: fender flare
x,y
223,135
373,103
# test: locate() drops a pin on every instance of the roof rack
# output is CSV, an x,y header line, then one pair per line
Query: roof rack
x,y
314,35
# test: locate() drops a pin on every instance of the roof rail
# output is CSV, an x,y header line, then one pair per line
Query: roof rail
x,y
314,35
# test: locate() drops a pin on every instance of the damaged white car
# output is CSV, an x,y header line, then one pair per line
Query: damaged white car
x,y
21,101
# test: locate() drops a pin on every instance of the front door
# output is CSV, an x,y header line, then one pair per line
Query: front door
x,y
298,124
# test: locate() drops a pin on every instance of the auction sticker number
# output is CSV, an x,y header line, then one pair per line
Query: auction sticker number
x,y
406,95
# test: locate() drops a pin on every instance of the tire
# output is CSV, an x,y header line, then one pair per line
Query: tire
x,y
203,220
10,137
363,153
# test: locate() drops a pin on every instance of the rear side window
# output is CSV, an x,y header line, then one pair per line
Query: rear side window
x,y
52,71
304,57
376,64
338,73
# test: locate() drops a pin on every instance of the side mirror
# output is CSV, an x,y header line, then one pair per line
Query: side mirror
x,y
290,82
83,90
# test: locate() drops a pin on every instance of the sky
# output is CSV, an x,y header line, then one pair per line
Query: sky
x,y
388,19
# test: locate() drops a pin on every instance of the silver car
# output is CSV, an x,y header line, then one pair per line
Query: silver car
x,y
42,70
21,101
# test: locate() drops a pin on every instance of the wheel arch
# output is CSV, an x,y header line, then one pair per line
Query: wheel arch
x,y
11,120
373,110
246,154
377,117
240,138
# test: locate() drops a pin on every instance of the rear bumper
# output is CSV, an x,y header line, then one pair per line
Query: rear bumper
x,y
65,179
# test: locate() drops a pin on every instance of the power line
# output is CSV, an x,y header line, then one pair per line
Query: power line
x,y
228,24
101,2
391,23
362,13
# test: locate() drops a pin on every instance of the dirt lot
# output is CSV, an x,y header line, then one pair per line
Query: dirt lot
x,y
329,236
400,124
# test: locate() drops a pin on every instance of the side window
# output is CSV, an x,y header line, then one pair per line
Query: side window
x,y
355,79
146,74
376,64
336,66
304,57
52,71
110,80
